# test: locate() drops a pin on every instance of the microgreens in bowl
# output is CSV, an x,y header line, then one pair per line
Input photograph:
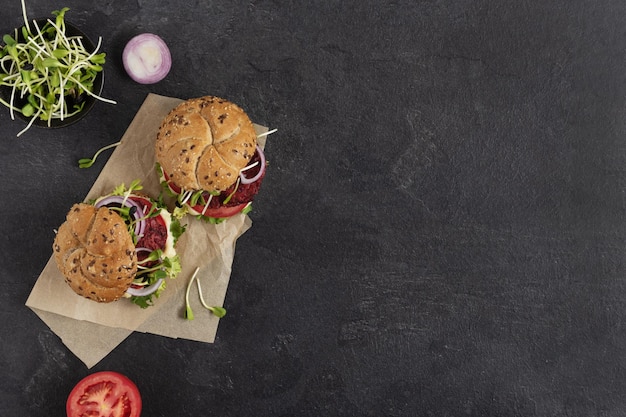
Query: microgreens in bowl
x,y
48,74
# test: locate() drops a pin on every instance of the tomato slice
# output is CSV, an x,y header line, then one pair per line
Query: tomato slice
x,y
219,212
173,187
105,393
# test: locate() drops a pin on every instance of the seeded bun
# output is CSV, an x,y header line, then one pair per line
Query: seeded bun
x,y
204,142
95,252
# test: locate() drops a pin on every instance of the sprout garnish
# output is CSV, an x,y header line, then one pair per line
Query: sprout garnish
x,y
88,162
269,132
216,310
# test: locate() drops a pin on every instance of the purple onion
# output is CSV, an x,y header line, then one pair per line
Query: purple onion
x,y
146,58
147,290
246,180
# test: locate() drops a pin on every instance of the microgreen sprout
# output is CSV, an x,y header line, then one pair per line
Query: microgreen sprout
x,y
269,132
216,310
155,255
125,212
188,311
135,185
208,201
88,162
227,199
49,70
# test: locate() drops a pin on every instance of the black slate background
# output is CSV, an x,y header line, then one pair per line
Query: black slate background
x,y
440,232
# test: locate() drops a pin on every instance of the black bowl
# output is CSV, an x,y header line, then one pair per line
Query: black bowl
x,y
89,101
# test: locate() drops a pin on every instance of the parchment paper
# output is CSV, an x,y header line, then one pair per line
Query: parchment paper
x,y
91,330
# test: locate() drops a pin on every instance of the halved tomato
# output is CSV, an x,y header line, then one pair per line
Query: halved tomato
x,y
105,393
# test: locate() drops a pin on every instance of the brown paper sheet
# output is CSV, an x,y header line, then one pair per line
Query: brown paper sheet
x,y
92,330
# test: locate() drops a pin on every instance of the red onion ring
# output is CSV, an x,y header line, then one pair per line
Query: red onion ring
x,y
246,180
137,250
147,290
146,58
140,223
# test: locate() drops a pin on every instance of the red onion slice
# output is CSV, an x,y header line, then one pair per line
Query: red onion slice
x,y
147,290
137,250
146,58
246,180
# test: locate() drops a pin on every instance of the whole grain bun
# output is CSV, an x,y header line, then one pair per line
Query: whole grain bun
x,y
204,142
95,252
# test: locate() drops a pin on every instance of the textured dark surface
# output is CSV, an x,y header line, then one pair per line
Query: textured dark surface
x,y
441,231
